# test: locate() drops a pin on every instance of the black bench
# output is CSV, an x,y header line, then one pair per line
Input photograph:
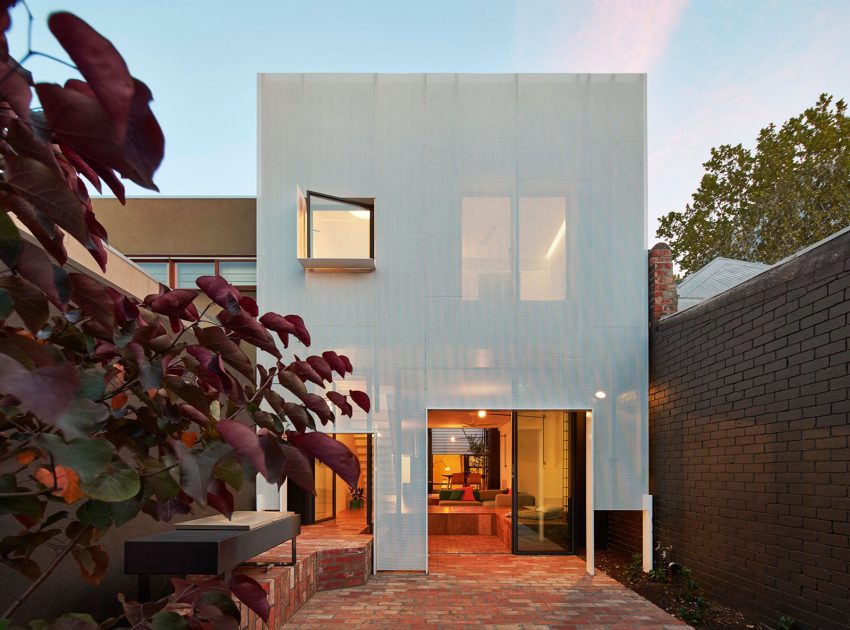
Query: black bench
x,y
204,551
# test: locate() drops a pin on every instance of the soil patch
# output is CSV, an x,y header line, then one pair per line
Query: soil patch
x,y
678,594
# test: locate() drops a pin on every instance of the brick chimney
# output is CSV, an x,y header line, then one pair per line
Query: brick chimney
x,y
663,299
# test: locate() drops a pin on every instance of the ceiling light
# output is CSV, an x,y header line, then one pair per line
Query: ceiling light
x,y
447,468
600,394
361,214
482,413
558,238
452,439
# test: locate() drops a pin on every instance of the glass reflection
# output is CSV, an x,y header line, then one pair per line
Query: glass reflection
x,y
542,248
485,247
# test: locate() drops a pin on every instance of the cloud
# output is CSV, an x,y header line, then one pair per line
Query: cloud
x,y
619,36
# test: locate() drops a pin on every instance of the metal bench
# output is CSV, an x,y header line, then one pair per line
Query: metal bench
x,y
210,546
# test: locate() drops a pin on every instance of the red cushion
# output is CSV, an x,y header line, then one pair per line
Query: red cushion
x,y
468,495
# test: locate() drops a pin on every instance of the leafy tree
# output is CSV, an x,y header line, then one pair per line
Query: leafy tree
x,y
791,191
111,407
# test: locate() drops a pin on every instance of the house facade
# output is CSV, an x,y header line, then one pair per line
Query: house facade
x,y
487,252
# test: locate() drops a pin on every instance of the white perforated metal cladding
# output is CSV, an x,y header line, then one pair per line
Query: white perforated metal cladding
x,y
475,302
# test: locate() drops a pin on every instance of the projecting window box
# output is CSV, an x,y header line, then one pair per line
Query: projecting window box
x,y
336,233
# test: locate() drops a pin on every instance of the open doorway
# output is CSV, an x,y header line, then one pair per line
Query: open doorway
x,y
469,474
336,505
506,481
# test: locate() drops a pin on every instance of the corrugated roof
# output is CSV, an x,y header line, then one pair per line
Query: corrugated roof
x,y
716,277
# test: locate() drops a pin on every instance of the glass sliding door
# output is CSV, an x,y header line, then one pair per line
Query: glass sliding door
x,y
325,500
542,514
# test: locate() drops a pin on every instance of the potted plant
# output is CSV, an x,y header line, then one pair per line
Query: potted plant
x,y
355,498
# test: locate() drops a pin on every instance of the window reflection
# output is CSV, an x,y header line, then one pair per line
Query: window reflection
x,y
542,248
485,247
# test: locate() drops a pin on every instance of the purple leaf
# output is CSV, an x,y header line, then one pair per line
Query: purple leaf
x,y
15,86
321,367
335,362
245,442
144,144
30,303
221,292
327,450
46,391
291,382
47,192
219,497
172,303
361,399
91,296
317,405
49,236
214,338
305,372
346,363
250,330
280,325
301,332
250,305
297,468
299,416
341,403
250,593
99,62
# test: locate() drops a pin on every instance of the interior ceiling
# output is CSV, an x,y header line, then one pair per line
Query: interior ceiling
x,y
455,419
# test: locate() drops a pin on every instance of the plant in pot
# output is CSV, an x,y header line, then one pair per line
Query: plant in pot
x,y
355,498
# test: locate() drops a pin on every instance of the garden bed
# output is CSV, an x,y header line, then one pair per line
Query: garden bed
x,y
679,595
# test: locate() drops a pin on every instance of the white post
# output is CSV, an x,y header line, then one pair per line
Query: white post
x,y
647,533
589,513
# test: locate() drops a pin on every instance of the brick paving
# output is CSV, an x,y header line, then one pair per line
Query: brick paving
x,y
465,544
483,591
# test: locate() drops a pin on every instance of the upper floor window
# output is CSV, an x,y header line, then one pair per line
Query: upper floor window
x,y
181,273
336,233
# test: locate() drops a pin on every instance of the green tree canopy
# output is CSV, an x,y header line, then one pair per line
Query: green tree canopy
x,y
762,205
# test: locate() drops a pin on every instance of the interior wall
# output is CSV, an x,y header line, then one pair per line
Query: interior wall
x,y
454,462
507,439
341,486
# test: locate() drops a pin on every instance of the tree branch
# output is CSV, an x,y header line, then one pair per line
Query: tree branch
x,y
45,574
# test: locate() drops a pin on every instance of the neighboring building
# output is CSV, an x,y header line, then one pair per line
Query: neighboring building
x,y
750,438
177,239
720,275
498,226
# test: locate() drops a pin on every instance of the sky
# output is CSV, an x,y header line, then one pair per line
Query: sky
x,y
718,71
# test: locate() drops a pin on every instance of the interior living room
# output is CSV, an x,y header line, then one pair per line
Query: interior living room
x,y
502,481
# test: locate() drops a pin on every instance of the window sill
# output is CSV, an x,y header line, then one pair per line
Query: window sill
x,y
338,264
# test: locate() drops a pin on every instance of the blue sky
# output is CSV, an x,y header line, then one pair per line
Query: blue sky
x,y
718,70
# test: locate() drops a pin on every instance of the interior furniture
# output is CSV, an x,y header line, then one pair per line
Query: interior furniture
x,y
456,480
474,480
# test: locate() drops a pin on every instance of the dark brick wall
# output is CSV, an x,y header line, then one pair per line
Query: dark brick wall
x,y
749,440
624,531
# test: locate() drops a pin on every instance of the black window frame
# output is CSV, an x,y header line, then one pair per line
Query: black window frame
x,y
365,203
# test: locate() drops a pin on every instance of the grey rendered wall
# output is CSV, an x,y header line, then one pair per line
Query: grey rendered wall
x,y
475,303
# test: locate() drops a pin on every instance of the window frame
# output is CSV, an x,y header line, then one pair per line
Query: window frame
x,y
173,261
362,202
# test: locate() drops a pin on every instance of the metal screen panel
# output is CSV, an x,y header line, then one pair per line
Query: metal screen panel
x,y
476,300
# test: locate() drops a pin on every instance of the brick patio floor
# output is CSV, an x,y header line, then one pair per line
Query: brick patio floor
x,y
486,591
466,544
